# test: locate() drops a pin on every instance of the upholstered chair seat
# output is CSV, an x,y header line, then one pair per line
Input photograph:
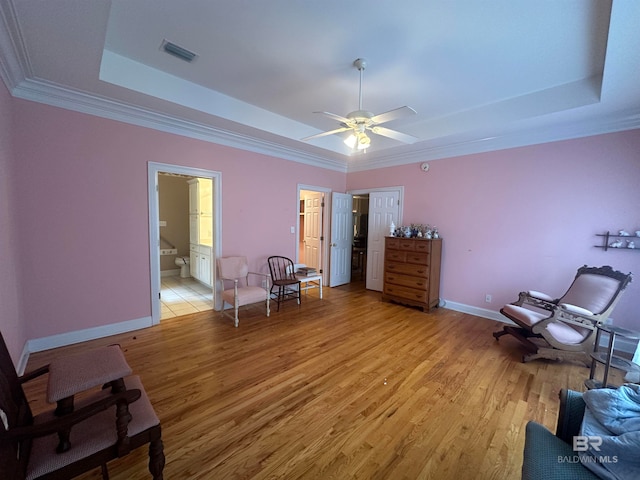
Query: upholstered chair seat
x,y
92,435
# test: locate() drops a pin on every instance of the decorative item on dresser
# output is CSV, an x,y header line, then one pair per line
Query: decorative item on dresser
x,y
412,271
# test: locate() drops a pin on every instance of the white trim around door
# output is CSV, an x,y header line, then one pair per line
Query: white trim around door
x,y
326,225
154,228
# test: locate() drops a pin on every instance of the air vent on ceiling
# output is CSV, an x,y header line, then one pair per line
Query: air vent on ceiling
x,y
178,51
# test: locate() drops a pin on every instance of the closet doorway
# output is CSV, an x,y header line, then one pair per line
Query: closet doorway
x,y
311,247
360,238
184,223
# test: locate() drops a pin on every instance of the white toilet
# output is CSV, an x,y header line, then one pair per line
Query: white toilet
x,y
183,263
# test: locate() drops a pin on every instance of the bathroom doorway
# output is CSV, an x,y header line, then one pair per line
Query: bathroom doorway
x,y
184,227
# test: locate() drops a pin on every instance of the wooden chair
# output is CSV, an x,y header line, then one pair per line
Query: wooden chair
x,y
284,279
565,328
75,438
236,270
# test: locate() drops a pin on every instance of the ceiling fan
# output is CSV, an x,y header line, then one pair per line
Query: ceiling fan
x,y
361,121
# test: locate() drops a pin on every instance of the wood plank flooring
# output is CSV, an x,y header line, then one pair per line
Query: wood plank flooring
x,y
347,387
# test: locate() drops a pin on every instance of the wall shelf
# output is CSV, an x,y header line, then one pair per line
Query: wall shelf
x,y
608,236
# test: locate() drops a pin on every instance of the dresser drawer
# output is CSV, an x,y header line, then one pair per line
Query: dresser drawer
x,y
395,256
393,243
417,258
407,269
406,292
420,283
423,246
406,244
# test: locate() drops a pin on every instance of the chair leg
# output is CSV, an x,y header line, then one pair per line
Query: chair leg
x,y
235,318
280,296
156,459
500,333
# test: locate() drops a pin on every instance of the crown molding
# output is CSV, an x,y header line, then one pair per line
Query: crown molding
x,y
49,93
534,136
14,61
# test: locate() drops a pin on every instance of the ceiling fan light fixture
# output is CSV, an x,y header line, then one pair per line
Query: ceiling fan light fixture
x,y
363,141
350,141
359,141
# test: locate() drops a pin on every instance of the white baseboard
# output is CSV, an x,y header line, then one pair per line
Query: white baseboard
x,y
69,338
170,273
478,312
622,344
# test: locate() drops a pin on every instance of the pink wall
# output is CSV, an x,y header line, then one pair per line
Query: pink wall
x,y
526,218
83,212
514,219
13,328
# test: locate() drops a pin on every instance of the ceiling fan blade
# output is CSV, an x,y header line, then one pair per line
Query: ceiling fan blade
x,y
336,117
401,137
324,134
393,114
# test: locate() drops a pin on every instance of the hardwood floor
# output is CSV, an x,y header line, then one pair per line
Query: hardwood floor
x,y
341,388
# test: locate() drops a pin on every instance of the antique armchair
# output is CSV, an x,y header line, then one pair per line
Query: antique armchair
x,y
283,280
236,270
565,328
81,435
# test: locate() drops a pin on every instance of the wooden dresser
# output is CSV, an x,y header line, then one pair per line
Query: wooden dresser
x,y
412,271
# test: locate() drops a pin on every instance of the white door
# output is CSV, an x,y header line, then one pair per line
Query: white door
x,y
341,239
384,208
313,229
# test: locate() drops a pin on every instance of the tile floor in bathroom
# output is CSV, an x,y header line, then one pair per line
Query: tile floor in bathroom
x,y
181,296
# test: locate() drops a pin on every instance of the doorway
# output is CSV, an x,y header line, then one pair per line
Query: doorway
x,y
186,240
384,205
172,237
360,238
374,210
313,222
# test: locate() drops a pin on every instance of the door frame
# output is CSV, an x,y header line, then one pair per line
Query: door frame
x,y
153,168
326,224
398,188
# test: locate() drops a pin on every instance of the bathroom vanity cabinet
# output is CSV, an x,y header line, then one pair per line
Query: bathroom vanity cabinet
x,y
200,260
201,229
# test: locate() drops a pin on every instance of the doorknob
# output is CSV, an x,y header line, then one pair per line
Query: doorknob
x,y
334,244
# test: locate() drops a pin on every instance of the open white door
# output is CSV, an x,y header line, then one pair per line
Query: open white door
x,y
384,208
313,229
341,238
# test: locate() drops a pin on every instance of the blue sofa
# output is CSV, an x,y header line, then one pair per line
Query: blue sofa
x,y
551,457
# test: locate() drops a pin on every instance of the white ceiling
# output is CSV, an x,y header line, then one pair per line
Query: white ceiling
x,y
482,75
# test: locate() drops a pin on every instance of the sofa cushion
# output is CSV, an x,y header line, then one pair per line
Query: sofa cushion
x,y
546,457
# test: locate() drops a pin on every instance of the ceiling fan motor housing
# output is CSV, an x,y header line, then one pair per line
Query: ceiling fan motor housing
x,y
360,116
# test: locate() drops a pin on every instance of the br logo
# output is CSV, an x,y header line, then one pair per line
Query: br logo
x,y
582,443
